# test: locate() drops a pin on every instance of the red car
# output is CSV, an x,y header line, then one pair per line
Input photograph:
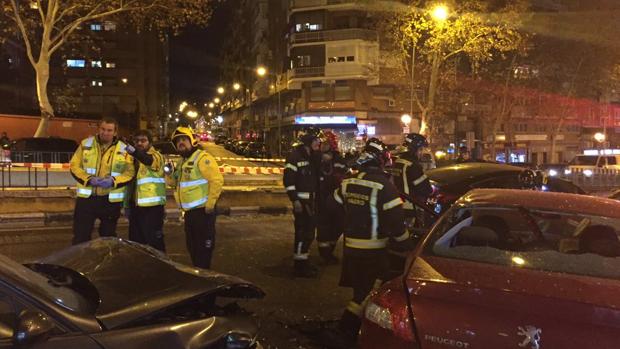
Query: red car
x,y
507,269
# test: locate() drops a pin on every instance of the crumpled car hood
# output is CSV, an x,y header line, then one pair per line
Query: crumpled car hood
x,y
134,280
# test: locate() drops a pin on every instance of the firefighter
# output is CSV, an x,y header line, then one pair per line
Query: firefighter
x,y
332,170
146,206
408,173
197,183
102,168
373,213
301,181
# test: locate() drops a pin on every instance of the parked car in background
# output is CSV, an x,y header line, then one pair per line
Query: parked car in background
x,y
45,150
86,296
239,147
256,150
452,182
585,163
229,144
507,269
220,139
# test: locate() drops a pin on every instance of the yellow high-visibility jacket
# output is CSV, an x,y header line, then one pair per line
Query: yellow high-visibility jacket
x,y
197,181
90,160
150,184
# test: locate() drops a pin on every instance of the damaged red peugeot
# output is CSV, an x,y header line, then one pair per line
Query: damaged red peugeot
x,y
507,269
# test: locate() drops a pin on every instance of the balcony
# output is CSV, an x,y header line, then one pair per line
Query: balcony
x,y
315,3
334,35
307,72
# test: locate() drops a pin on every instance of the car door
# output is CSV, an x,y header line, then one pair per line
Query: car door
x,y
467,299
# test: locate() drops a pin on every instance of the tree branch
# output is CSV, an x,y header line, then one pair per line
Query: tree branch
x,y
463,47
40,11
24,32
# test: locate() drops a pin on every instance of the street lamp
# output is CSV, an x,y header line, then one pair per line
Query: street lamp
x,y
261,71
406,119
236,86
182,106
192,114
219,119
440,13
211,105
216,100
220,90
599,137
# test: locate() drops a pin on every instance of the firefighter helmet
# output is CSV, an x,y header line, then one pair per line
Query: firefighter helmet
x,y
184,131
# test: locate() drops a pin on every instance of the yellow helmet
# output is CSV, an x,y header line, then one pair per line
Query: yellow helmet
x,y
184,131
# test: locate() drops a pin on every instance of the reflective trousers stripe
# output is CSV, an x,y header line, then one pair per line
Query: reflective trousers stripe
x,y
291,187
303,195
419,180
193,204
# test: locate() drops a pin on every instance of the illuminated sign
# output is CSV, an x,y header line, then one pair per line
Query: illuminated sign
x,y
366,129
325,120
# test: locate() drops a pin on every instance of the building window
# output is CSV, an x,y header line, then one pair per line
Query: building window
x,y
96,83
76,63
350,58
110,65
342,93
307,27
341,59
95,64
96,27
318,94
109,26
303,61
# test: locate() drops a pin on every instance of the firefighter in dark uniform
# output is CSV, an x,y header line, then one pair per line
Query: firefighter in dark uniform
x,y
301,181
408,174
373,223
332,170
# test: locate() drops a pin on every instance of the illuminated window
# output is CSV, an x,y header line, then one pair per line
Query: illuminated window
x,y
110,65
76,63
96,83
109,26
95,64
96,27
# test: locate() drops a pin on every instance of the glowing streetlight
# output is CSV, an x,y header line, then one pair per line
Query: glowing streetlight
x,y
261,71
219,119
599,137
210,114
216,100
192,114
405,119
236,86
182,106
124,80
211,105
440,13
220,90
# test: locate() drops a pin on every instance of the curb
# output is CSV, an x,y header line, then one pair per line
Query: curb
x,y
59,219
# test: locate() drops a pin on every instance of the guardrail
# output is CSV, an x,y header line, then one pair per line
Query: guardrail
x,y
41,156
33,180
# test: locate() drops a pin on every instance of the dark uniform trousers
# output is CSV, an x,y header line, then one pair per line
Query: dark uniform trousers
x,y
88,210
146,226
200,236
329,230
305,226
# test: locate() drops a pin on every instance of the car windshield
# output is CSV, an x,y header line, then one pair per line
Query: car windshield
x,y
551,241
40,286
584,160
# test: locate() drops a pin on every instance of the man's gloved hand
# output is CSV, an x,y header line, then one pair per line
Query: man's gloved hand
x,y
94,181
107,182
297,206
130,148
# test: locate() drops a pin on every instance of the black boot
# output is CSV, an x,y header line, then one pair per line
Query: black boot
x,y
327,255
304,269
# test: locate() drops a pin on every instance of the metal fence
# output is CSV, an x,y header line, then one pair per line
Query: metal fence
x,y
31,178
41,156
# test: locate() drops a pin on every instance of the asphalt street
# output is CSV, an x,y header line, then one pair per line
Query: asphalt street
x,y
257,248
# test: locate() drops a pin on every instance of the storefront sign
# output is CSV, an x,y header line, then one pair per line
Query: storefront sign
x,y
325,120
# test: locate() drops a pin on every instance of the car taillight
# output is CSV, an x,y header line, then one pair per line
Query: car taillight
x,y
387,308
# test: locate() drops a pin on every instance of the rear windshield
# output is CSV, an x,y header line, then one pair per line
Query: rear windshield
x,y
534,239
584,160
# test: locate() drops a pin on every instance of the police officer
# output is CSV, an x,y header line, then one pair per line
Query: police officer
x,y
198,184
373,221
146,206
332,170
102,168
408,174
301,180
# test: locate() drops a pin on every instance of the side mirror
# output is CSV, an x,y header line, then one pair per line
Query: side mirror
x,y
32,327
477,236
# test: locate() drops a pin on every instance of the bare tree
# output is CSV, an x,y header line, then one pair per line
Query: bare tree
x,y
45,26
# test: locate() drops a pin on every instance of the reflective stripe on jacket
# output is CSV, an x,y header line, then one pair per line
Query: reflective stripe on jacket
x,y
150,182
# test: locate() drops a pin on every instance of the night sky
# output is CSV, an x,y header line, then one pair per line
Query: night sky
x,y
194,58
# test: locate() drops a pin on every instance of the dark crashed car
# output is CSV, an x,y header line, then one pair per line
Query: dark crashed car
x,y
452,182
110,293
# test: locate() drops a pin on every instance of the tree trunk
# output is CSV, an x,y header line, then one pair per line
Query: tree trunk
x,y
42,70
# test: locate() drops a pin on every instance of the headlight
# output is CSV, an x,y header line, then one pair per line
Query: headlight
x,y
588,173
553,173
567,171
